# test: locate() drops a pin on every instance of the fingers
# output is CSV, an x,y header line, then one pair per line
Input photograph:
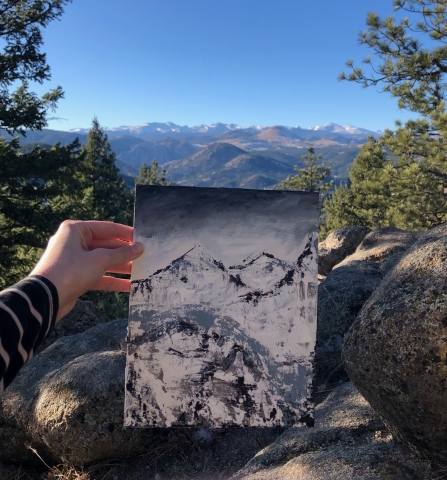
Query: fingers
x,y
123,255
112,284
126,268
108,230
109,243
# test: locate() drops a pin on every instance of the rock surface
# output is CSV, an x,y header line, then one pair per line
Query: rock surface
x,y
337,246
68,402
396,351
340,298
84,315
348,442
349,285
381,244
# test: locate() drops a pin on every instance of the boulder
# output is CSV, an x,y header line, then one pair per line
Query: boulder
x,y
337,246
396,351
340,297
348,441
381,244
348,286
83,316
68,402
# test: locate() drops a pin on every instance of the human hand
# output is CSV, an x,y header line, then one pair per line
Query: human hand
x,y
80,254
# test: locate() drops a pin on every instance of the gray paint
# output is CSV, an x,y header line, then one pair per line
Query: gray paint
x,y
221,325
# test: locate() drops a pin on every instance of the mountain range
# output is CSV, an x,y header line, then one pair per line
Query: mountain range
x,y
156,131
221,155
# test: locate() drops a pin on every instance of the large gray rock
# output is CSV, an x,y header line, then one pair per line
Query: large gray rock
x,y
381,244
348,442
83,316
396,351
349,285
337,246
340,297
68,402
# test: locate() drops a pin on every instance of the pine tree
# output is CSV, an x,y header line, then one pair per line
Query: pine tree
x,y
151,175
21,61
105,196
312,178
29,182
337,211
370,185
410,71
365,200
414,175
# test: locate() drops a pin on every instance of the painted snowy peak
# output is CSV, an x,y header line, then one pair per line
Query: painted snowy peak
x,y
225,345
196,277
268,297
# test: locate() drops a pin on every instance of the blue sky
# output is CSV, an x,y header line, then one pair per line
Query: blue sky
x,y
250,62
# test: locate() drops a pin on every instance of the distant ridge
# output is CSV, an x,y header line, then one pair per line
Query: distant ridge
x,y
225,165
154,130
220,154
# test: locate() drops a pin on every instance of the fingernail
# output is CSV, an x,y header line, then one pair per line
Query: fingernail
x,y
138,248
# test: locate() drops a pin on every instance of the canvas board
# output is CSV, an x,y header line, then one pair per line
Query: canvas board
x,y
223,308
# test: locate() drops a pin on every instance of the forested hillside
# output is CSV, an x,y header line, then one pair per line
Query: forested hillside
x,y
259,168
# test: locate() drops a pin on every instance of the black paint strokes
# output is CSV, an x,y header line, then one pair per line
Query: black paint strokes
x,y
306,253
211,350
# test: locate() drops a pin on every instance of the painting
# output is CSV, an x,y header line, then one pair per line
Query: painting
x,y
223,307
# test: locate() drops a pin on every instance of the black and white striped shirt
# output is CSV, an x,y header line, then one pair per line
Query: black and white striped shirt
x,y
28,312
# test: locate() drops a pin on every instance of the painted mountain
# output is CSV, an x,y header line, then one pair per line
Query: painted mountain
x,y
215,342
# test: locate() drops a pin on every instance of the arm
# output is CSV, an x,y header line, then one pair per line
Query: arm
x,y
76,260
27,314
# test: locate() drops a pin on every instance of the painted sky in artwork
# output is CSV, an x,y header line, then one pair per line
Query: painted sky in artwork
x,y
230,226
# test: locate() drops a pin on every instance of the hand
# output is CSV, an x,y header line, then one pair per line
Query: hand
x,y
79,255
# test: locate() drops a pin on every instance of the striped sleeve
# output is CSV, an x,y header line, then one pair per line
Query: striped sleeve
x,y
28,312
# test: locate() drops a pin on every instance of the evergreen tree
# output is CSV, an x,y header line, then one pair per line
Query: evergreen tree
x,y
366,199
370,186
151,175
312,178
29,182
105,196
21,61
337,211
414,174
410,71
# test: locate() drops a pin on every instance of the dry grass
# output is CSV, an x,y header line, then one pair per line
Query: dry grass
x,y
61,472
58,472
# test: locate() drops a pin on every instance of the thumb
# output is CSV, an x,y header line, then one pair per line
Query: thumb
x,y
122,255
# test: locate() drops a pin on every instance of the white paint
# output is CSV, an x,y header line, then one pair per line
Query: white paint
x,y
199,326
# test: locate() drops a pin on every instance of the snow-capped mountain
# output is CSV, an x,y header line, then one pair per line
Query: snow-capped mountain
x,y
167,128
348,129
222,345
152,129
